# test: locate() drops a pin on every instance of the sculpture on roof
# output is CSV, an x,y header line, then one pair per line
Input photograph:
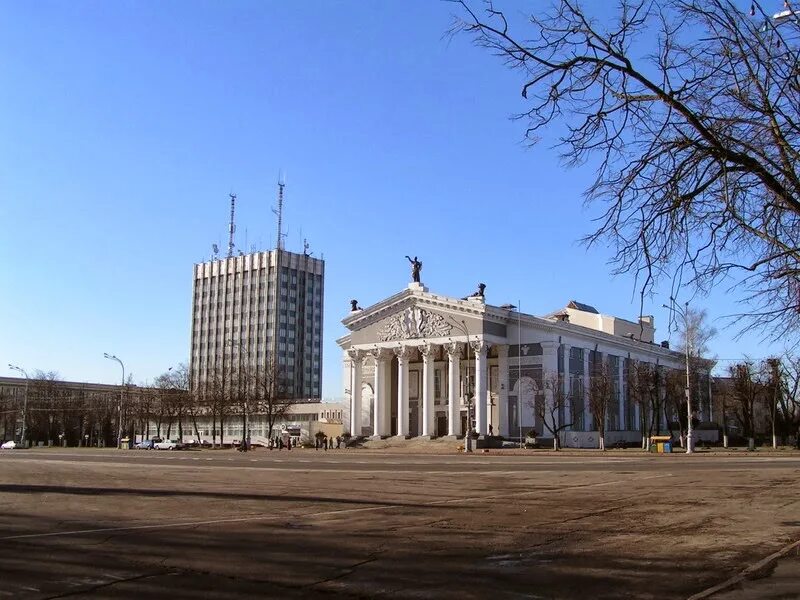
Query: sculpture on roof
x,y
416,267
354,306
478,294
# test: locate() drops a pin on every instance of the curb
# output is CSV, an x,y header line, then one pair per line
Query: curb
x,y
751,572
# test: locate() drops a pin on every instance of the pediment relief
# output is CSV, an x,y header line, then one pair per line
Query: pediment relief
x,y
413,322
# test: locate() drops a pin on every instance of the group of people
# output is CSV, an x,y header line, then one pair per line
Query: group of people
x,y
279,443
325,443
319,442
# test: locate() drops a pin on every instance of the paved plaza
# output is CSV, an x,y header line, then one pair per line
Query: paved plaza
x,y
360,523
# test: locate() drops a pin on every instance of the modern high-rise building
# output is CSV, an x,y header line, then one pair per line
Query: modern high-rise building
x,y
250,308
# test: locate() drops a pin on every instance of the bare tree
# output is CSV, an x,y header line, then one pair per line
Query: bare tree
x,y
645,382
601,390
217,401
675,402
554,415
45,397
691,111
694,331
744,390
789,403
271,395
772,394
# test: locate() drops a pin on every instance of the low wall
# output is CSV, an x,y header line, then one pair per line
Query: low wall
x,y
589,439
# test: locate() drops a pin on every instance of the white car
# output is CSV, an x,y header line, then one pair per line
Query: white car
x,y
168,445
9,445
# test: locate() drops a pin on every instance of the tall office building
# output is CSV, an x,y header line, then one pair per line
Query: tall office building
x,y
249,308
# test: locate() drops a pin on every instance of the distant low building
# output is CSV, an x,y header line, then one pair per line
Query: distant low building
x,y
72,413
303,419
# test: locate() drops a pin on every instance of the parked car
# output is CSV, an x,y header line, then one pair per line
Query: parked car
x,y
144,445
9,445
197,444
168,445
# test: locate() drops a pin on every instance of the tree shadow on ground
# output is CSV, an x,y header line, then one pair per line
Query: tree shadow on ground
x,y
14,488
334,556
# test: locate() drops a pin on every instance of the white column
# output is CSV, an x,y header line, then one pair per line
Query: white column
x,y
428,352
636,414
710,399
387,393
567,385
402,353
502,397
379,397
347,384
587,413
454,379
621,386
357,357
481,376
550,379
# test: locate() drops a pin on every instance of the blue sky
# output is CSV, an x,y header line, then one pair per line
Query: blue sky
x,y
124,126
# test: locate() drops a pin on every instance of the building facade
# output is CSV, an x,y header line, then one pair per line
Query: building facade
x,y
412,360
302,422
258,312
55,412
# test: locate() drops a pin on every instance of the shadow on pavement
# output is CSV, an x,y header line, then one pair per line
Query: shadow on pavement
x,y
104,491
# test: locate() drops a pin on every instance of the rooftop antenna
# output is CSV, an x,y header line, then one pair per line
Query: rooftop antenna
x,y
279,210
232,226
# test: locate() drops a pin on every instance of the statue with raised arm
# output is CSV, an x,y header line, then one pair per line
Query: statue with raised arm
x,y
416,267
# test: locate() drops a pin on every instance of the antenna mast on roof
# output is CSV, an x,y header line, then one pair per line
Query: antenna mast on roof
x,y
279,210
232,226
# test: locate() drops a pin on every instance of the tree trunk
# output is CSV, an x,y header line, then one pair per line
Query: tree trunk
x,y
196,430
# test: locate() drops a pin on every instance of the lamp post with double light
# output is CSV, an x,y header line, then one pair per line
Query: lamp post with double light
x,y
510,307
121,393
24,402
462,327
684,312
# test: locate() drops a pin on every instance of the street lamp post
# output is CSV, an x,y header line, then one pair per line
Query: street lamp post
x,y
511,307
24,402
685,314
467,398
121,392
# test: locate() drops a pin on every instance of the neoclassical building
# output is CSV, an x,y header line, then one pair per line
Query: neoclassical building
x,y
410,362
